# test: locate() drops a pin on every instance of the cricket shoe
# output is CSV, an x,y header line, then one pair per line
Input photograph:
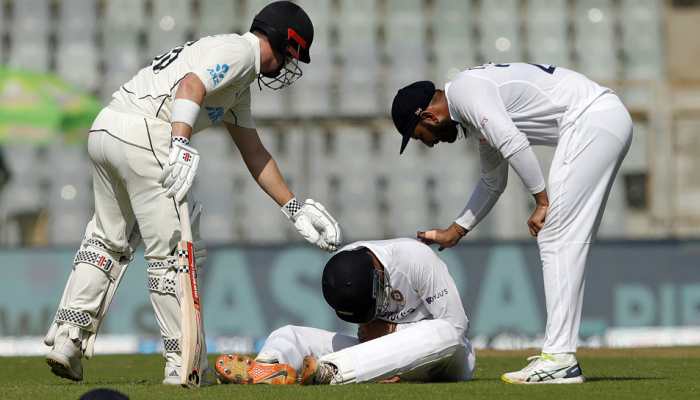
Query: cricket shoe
x,y
64,359
316,372
234,368
547,368
172,375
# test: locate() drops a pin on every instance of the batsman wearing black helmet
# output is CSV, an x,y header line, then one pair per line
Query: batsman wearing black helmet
x,y
411,324
144,165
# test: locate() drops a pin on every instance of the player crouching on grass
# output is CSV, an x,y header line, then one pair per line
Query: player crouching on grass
x,y
510,107
412,326
144,165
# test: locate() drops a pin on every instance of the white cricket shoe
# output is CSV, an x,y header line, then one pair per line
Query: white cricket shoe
x,y
547,368
64,358
172,375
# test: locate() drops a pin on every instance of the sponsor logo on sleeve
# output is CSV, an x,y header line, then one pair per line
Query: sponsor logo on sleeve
x,y
399,315
217,73
436,296
215,114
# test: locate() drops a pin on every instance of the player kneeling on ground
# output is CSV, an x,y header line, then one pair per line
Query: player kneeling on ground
x,y
412,326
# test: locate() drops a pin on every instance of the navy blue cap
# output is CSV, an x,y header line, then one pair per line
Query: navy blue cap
x,y
408,104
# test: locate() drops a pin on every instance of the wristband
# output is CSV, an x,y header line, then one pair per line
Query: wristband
x,y
185,111
180,139
291,208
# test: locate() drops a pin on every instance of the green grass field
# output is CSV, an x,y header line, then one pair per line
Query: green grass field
x,y
612,374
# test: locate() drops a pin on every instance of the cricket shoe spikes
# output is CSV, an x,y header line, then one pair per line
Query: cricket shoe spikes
x,y
316,372
234,368
547,368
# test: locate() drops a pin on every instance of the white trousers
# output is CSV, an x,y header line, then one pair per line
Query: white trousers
x,y
585,163
127,153
429,350
125,181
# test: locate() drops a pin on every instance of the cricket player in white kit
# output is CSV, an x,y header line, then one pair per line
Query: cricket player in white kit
x,y
412,324
144,165
511,107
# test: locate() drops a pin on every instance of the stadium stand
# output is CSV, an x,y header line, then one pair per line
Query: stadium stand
x,y
329,132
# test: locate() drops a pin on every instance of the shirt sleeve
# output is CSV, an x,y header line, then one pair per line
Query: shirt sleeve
x,y
494,178
240,114
479,103
437,289
219,65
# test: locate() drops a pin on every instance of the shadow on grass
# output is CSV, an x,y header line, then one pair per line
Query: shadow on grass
x,y
593,379
622,378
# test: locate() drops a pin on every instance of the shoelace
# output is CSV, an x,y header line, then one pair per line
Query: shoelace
x,y
535,361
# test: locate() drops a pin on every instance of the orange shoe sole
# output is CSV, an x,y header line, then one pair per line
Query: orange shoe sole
x,y
243,370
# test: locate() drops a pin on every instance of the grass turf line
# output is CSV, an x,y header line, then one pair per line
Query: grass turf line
x,y
612,374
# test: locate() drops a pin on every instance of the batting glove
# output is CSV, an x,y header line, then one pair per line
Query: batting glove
x,y
178,174
314,223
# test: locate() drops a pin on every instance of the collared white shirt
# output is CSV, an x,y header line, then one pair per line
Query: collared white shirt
x,y
421,286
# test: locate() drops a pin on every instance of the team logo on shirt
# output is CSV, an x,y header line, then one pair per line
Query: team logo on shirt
x,y
397,296
215,114
218,72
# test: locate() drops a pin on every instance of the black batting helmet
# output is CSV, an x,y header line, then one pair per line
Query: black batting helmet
x,y
287,27
352,286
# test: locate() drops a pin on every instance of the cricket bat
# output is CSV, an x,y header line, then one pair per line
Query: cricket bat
x,y
192,330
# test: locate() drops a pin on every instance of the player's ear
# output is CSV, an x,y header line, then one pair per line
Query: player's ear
x,y
428,117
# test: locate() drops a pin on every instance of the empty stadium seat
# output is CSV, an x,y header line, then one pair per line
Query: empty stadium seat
x,y
70,193
125,14
77,20
641,39
357,47
84,74
311,95
406,44
453,43
547,25
123,59
169,26
30,55
499,24
2,34
341,176
215,184
23,192
219,16
594,23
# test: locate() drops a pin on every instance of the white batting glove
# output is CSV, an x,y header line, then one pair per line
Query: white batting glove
x,y
314,223
178,174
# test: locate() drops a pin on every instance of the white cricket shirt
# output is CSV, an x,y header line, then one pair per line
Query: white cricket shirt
x,y
511,107
421,285
226,65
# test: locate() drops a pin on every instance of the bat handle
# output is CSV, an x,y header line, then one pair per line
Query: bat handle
x,y
185,227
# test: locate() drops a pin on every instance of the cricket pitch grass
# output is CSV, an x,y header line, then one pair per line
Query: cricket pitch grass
x,y
665,373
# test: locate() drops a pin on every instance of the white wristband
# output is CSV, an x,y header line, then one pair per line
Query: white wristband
x,y
185,111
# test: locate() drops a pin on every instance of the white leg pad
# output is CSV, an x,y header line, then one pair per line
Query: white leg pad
x,y
163,287
164,294
88,293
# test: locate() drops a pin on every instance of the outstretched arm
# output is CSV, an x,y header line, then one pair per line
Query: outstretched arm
x,y
310,218
260,163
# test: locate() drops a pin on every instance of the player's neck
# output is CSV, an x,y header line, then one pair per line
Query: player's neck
x,y
267,55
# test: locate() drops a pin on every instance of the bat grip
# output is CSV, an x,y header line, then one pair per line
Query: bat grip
x,y
185,227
